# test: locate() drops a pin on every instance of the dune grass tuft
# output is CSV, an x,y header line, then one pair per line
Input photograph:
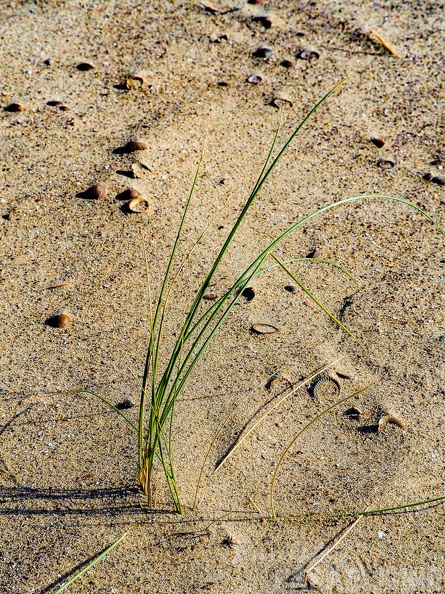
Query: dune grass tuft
x,y
162,386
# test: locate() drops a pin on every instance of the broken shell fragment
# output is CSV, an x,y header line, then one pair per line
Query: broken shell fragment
x,y
280,100
385,164
353,413
308,55
266,21
378,142
260,328
139,170
254,79
135,145
59,321
138,204
392,420
95,192
14,107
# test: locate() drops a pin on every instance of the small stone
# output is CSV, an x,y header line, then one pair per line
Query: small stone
x,y
263,20
54,103
287,64
135,145
124,405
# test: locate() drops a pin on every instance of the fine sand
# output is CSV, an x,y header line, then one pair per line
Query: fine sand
x,y
164,72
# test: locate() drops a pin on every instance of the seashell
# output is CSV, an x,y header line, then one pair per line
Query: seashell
x,y
384,164
84,66
436,162
325,380
59,321
291,288
266,21
139,170
281,100
95,192
378,142
390,419
248,294
313,253
135,145
261,328
308,55
14,107
54,103
138,204
254,79
262,52
353,413
287,64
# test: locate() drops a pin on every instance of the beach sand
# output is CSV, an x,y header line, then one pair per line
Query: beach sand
x,y
170,74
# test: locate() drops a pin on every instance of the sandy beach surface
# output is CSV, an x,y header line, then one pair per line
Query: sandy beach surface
x,y
79,81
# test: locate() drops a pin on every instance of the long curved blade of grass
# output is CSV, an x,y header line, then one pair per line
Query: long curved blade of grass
x,y
90,565
314,261
105,401
305,428
307,380
314,299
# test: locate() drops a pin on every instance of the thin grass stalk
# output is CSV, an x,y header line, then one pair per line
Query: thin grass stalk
x,y
305,428
90,565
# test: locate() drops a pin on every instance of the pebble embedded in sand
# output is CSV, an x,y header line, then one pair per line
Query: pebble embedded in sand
x,y
291,288
59,321
287,64
266,21
248,294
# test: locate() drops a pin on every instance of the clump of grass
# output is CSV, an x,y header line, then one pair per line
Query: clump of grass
x,y
161,387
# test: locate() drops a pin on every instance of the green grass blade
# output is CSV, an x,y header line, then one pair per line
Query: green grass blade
x,y
313,261
90,565
107,402
314,299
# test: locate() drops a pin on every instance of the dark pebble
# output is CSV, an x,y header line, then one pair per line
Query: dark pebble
x,y
287,64
60,321
54,103
124,405
263,20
